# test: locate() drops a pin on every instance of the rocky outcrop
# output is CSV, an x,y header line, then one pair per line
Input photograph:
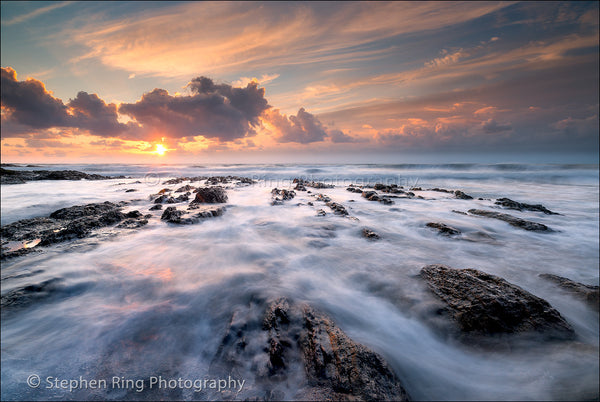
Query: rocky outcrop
x,y
337,208
484,304
8,176
295,341
521,206
373,196
462,196
281,195
587,293
210,195
392,188
512,220
65,224
369,234
443,229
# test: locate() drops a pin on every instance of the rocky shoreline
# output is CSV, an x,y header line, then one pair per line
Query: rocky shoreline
x,y
8,176
477,309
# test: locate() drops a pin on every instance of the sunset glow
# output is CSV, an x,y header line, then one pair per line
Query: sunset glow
x,y
160,149
364,81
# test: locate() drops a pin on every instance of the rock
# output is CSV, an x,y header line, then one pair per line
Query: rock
x,y
131,190
354,189
22,176
373,196
64,224
310,203
440,190
459,212
520,206
300,187
312,184
210,195
588,293
185,188
211,213
132,223
443,228
460,195
484,304
369,234
183,197
165,190
338,209
321,212
156,207
161,199
173,215
323,197
295,341
281,195
513,220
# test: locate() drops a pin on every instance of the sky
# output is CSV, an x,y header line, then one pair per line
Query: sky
x,y
315,82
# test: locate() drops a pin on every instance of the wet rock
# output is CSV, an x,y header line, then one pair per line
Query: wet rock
x,y
512,220
131,223
312,184
323,197
131,190
354,189
173,215
588,293
321,212
484,304
210,195
310,203
185,188
443,228
294,341
393,188
520,206
300,187
338,209
373,196
281,195
65,224
183,197
440,190
165,190
161,199
416,189
156,207
29,294
460,195
459,212
369,234
211,213
8,176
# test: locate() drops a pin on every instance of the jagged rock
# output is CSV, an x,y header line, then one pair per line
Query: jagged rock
x,y
185,188
484,304
443,228
520,206
156,207
281,195
210,195
8,176
64,224
588,293
173,215
460,195
513,220
338,209
291,340
369,234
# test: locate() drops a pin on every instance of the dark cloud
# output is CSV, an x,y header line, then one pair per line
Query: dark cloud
x,y
491,126
28,102
302,128
338,136
212,111
29,105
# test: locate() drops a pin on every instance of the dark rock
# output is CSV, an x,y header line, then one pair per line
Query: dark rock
x,y
211,213
300,187
156,207
460,195
416,189
173,215
281,195
459,212
338,209
183,197
520,206
296,341
323,197
165,190
133,214
513,220
321,212
588,293
210,195
131,190
161,199
373,196
369,234
185,188
22,176
310,203
132,223
440,190
443,228
312,184
484,304
354,189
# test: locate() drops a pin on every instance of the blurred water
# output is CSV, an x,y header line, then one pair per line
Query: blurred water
x,y
158,300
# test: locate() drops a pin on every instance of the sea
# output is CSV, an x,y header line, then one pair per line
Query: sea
x,y
157,301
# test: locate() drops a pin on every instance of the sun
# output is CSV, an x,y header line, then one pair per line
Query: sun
x,y
160,149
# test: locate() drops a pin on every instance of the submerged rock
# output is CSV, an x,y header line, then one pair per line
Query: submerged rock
x,y
156,207
460,195
313,184
588,293
338,209
294,341
373,196
369,234
185,188
513,220
520,206
279,196
484,304
440,190
174,215
210,195
443,228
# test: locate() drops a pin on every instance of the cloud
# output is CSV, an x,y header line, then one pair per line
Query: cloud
x,y
491,126
212,111
28,104
264,79
337,136
302,128
35,13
